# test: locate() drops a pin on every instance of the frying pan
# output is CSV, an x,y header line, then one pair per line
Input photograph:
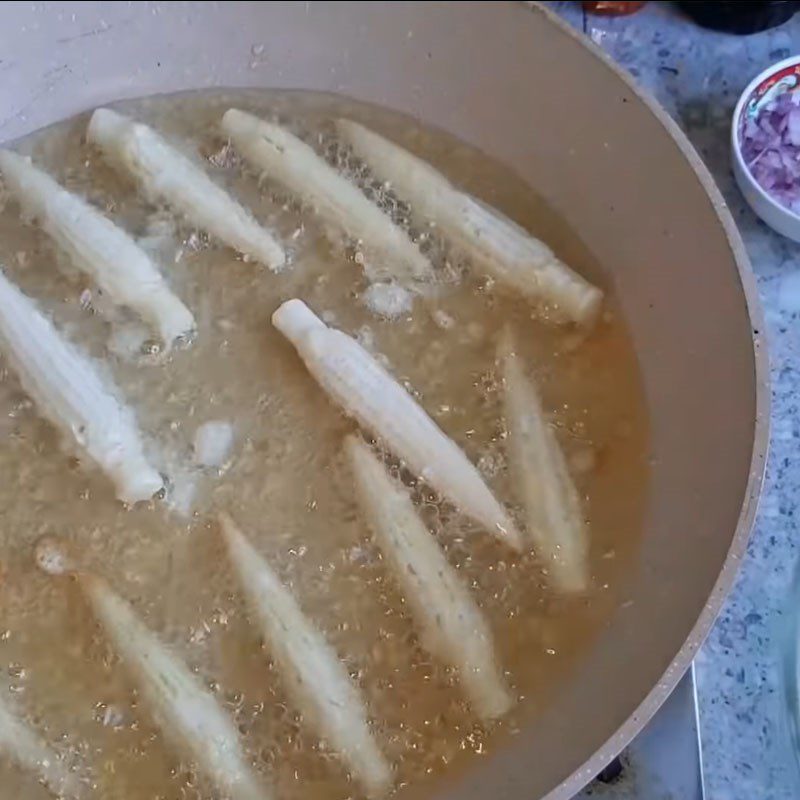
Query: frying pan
x,y
517,84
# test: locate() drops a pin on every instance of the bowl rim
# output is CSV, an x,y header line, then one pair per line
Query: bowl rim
x,y
736,146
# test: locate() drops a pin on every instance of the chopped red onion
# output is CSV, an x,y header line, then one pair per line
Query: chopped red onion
x,y
770,145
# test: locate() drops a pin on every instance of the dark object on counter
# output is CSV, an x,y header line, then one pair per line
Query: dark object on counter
x,y
742,17
609,8
612,772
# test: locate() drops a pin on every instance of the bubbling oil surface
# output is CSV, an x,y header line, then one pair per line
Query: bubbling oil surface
x,y
287,484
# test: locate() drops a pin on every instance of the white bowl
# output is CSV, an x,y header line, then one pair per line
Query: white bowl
x,y
780,77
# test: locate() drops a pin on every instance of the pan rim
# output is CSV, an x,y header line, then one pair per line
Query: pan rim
x,y
682,660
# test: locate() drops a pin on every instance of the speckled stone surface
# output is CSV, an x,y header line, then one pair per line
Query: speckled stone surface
x,y
698,75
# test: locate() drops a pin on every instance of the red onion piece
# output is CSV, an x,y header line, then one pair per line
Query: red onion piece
x,y
770,145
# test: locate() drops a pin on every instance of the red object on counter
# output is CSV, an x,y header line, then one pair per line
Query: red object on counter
x,y
610,8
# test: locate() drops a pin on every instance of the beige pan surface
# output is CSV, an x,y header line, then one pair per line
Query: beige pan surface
x,y
518,86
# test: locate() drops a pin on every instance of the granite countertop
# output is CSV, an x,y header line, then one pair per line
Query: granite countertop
x,y
698,76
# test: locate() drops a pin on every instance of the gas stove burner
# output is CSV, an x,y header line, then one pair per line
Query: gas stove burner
x,y
665,759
